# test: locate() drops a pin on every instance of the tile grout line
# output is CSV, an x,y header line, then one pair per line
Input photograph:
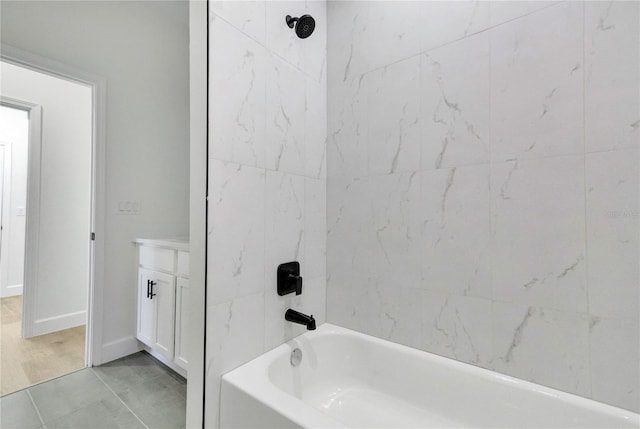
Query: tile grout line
x,y
36,408
119,399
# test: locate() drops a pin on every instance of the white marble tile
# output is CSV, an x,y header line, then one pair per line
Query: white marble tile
x,y
307,55
455,117
367,35
315,129
236,231
284,242
613,222
394,313
359,301
235,331
235,335
351,241
347,250
503,11
393,229
456,215
538,222
442,22
246,16
237,96
347,20
315,227
392,33
285,110
457,327
537,85
615,358
543,346
612,77
394,118
314,301
284,219
373,250
406,316
281,39
342,297
314,53
347,129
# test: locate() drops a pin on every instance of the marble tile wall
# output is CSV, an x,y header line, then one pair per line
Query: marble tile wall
x,y
267,178
482,185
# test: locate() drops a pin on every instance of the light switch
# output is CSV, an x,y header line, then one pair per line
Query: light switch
x,y
21,211
128,207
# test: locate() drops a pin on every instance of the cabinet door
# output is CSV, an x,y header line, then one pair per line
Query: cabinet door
x,y
182,309
156,311
164,299
146,312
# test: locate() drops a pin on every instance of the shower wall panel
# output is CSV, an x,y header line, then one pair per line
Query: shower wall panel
x,y
483,185
267,179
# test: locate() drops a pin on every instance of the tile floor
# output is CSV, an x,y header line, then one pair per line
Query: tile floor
x,y
133,392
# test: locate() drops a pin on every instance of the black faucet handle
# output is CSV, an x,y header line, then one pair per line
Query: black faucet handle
x,y
296,282
289,279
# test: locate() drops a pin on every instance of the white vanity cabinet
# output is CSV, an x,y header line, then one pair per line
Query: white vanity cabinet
x,y
163,283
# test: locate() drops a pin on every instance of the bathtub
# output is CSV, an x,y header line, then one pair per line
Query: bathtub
x,y
346,379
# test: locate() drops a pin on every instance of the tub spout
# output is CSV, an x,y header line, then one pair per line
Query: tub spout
x,y
302,319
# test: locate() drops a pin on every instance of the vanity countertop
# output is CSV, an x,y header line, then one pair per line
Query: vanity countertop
x,y
172,243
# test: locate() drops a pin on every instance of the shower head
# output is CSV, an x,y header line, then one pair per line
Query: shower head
x,y
304,25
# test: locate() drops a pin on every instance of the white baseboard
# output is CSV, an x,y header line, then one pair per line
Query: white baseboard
x,y
119,348
58,323
11,290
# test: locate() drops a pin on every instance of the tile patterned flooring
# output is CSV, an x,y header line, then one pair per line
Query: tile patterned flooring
x,y
133,392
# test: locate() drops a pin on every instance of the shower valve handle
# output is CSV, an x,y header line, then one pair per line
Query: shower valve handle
x,y
296,283
289,279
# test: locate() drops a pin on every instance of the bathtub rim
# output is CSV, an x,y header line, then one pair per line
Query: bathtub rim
x,y
253,379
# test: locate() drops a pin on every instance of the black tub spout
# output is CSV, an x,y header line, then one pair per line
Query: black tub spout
x,y
302,319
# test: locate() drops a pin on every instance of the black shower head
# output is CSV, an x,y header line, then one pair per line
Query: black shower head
x,y
304,25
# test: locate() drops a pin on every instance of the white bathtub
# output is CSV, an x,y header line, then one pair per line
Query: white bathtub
x,y
351,380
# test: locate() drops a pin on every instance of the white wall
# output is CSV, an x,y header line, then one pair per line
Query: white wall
x,y
483,185
14,131
65,195
267,106
141,49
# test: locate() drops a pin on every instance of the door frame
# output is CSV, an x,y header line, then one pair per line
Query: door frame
x,y
32,226
18,57
5,192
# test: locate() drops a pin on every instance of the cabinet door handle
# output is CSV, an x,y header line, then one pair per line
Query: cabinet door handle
x,y
152,284
148,288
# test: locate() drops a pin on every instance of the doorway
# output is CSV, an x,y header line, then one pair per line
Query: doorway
x,y
46,228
